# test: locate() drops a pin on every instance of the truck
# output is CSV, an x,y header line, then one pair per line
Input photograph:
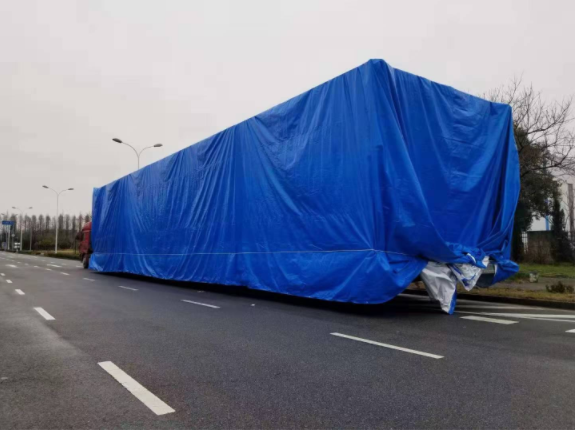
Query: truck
x,y
347,192
85,244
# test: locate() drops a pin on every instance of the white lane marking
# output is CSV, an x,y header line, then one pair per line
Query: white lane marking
x,y
88,279
54,265
45,314
570,331
127,288
201,304
9,281
26,264
20,292
385,345
48,269
530,315
11,265
494,307
491,320
64,273
2,274
139,391
80,267
520,316
36,267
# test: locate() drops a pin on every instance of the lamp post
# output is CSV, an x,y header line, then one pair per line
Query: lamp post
x,y
20,210
7,230
57,220
157,145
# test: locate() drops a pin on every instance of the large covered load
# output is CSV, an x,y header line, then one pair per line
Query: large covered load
x,y
346,192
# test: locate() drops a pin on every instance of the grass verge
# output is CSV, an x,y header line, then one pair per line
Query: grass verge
x,y
565,270
67,254
517,293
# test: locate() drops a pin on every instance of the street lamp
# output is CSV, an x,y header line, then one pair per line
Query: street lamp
x,y
157,145
7,230
20,210
57,220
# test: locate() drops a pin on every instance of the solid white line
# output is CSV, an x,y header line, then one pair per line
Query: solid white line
x,y
385,345
45,314
570,331
140,392
20,292
9,281
127,288
491,320
530,315
201,304
88,279
63,273
494,307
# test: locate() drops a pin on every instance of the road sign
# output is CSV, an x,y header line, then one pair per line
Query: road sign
x,y
7,222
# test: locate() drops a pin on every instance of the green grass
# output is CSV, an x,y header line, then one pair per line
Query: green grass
x,y
563,270
67,254
521,294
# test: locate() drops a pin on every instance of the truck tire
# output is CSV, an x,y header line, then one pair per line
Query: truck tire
x,y
86,261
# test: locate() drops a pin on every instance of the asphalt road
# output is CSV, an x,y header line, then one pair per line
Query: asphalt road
x,y
255,360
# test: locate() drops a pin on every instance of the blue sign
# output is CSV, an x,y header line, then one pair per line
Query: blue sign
x,y
7,222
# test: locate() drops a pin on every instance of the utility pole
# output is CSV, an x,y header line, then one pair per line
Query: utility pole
x,y
570,203
57,202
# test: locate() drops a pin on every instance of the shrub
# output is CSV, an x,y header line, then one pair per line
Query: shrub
x,y
560,288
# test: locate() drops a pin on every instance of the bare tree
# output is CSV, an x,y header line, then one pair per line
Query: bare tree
x,y
542,129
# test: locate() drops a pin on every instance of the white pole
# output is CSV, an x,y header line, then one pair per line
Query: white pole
x,y
20,233
31,235
56,244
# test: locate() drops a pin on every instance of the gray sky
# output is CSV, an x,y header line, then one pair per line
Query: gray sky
x,y
74,74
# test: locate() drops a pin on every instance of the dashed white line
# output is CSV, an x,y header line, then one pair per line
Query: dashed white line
x,y
45,314
9,281
64,273
570,331
49,269
88,279
491,320
19,292
201,304
2,274
11,265
53,265
385,345
127,288
139,391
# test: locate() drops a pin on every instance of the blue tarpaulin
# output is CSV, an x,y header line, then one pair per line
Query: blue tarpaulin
x,y
342,193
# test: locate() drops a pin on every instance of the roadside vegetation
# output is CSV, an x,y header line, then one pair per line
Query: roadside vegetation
x,y
562,270
518,293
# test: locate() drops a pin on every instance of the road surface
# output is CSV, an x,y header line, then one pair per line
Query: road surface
x,y
80,349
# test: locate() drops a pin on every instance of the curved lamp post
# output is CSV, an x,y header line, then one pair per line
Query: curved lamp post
x,y
57,219
157,145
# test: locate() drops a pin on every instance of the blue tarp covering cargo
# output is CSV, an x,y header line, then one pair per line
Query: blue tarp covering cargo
x,y
346,192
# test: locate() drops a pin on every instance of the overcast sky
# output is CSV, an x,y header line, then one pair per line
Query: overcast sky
x,y
74,74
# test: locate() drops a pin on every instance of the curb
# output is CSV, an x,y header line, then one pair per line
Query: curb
x,y
510,300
